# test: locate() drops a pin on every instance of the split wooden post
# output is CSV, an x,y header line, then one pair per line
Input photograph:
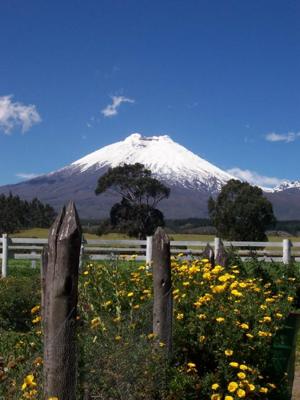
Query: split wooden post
x,y
286,251
59,300
4,255
221,256
209,254
162,287
149,251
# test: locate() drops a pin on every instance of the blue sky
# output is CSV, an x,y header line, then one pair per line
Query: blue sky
x,y
220,77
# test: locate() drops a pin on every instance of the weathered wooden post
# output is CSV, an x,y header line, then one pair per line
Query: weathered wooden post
x,y
162,287
221,256
59,300
286,251
4,255
209,254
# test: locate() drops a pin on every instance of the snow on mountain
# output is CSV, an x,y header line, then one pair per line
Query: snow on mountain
x,y
192,180
287,185
166,159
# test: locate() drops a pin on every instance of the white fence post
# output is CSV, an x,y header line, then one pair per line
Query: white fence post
x,y
33,262
4,255
286,251
149,251
81,256
217,244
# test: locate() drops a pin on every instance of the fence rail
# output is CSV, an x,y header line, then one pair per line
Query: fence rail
x,y
98,249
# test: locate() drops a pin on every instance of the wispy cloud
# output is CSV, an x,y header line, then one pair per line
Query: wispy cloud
x,y
15,114
254,178
112,109
282,137
25,175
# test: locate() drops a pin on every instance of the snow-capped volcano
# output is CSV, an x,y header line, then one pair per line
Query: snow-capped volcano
x,y
165,158
191,179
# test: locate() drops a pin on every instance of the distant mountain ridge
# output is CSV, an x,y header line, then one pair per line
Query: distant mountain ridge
x,y
191,179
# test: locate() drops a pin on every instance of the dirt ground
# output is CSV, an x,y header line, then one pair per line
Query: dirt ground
x,y
296,386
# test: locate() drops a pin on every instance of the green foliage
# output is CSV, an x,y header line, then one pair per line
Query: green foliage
x,y
119,357
136,220
16,214
136,214
17,297
241,212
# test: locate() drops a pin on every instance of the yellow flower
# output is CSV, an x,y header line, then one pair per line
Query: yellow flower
x,y
130,294
36,320
220,319
191,365
243,367
267,319
202,316
228,398
236,293
244,326
85,272
218,288
234,364
202,338
241,375
215,396
215,386
228,352
118,337
241,393
179,316
95,322
263,390
53,398
28,382
151,335
232,386
35,309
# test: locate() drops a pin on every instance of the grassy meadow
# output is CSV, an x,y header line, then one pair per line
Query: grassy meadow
x,y
43,233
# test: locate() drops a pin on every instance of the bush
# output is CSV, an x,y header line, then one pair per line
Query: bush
x,y
18,295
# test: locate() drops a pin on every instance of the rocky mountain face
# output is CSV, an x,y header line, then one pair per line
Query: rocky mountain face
x,y
191,179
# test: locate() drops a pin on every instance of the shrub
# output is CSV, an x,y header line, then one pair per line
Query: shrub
x,y
17,297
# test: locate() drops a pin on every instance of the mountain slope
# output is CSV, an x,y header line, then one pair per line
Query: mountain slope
x,y
191,179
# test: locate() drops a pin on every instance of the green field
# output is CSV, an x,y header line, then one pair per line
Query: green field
x,y
43,233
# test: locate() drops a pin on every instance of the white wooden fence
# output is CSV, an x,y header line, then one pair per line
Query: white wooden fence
x,y
31,249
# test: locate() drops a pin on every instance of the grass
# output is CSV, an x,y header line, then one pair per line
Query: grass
x,y
43,233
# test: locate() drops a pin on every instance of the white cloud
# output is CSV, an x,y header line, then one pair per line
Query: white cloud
x,y
254,178
24,175
14,114
112,109
282,137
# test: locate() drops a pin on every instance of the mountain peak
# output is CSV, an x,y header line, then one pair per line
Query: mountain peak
x,y
139,138
167,160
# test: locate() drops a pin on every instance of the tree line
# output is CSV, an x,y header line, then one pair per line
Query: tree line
x,y
239,212
16,214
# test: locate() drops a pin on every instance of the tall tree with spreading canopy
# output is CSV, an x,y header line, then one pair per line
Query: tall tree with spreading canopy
x,y
241,212
136,213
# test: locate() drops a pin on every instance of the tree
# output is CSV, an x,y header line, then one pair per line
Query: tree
x,y
140,193
241,212
18,214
